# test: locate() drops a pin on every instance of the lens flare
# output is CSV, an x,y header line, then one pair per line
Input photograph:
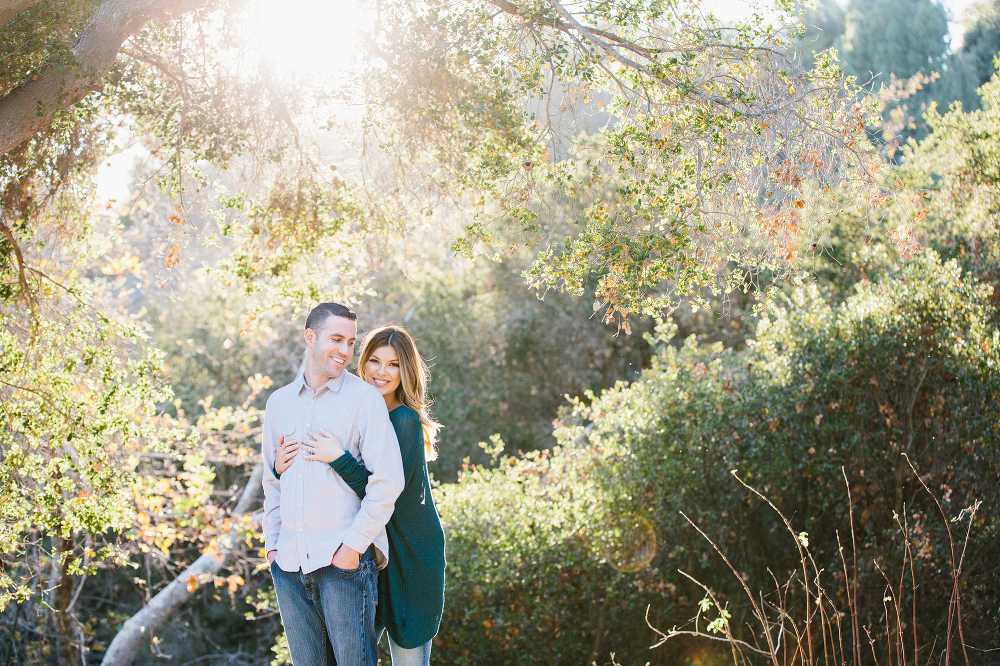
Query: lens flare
x,y
629,542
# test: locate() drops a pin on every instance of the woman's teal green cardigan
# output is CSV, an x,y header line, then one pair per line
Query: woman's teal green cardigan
x,y
411,587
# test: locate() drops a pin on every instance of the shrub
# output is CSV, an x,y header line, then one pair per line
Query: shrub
x,y
526,584
909,365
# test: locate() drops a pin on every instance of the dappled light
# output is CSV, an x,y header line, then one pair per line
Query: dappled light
x,y
476,332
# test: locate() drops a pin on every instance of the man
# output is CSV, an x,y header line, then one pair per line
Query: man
x,y
322,542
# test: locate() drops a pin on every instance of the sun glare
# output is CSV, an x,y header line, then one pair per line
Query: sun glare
x,y
311,37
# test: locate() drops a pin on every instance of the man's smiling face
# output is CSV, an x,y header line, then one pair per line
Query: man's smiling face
x,y
331,347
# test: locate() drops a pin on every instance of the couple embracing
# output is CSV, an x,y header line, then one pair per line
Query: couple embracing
x,y
350,530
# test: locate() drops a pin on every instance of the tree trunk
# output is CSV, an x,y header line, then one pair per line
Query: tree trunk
x,y
140,627
29,108
67,636
11,8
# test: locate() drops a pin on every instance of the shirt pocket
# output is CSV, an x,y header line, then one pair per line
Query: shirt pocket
x,y
286,430
338,431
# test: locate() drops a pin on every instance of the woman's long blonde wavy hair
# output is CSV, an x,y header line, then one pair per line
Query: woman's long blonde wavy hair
x,y
413,376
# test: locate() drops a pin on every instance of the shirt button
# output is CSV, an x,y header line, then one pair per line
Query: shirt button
x,y
300,529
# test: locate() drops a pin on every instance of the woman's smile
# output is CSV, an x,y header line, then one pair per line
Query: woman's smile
x,y
383,372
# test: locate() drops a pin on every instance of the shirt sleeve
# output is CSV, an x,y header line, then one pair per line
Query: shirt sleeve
x,y
352,472
272,487
380,454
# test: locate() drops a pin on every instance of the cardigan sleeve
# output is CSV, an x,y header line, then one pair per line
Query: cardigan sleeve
x,y
352,472
409,433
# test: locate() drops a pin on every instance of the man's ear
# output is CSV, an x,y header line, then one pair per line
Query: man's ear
x,y
310,337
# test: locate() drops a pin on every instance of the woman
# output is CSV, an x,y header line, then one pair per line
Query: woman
x,y
411,587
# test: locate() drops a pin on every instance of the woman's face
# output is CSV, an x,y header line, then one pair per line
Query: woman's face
x,y
382,370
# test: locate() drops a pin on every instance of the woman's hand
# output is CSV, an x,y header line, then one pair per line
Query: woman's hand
x,y
286,453
326,448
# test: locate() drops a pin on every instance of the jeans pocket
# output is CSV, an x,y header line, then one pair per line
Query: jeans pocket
x,y
348,572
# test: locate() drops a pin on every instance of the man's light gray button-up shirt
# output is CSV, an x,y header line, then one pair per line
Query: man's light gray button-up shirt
x,y
309,512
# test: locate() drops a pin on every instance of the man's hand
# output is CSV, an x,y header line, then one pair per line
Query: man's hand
x,y
270,557
346,558
286,453
326,448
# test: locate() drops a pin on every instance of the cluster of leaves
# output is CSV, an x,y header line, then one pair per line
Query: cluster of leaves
x,y
909,365
959,165
79,393
718,142
74,408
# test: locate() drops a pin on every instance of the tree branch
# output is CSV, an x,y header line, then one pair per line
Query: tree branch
x,y
29,108
609,43
558,24
590,35
140,627
11,8
22,277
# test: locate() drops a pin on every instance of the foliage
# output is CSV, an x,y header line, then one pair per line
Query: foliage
x,y
502,360
73,409
79,394
981,42
749,142
907,365
713,151
958,165
96,480
525,575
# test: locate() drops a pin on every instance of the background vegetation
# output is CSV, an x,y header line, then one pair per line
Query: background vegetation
x,y
845,363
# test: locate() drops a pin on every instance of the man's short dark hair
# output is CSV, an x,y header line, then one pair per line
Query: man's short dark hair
x,y
319,314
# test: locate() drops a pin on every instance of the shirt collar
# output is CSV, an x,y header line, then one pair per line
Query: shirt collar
x,y
331,385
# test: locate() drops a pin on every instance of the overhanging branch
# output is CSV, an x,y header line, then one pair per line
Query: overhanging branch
x,y
563,26
11,8
29,108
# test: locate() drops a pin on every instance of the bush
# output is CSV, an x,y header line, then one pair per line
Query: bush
x,y
526,584
907,366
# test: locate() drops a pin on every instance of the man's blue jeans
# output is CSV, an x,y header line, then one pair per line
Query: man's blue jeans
x,y
329,614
